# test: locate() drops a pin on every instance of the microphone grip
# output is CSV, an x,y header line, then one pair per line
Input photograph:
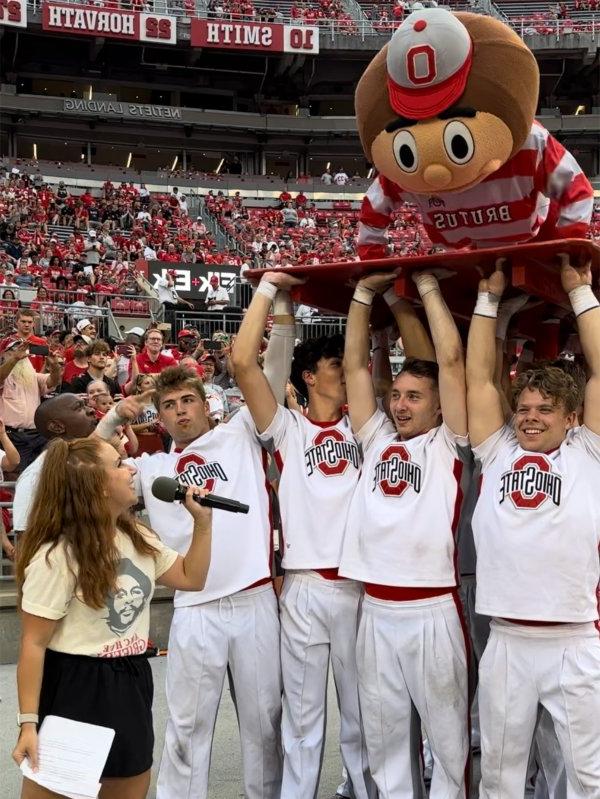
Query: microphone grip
x,y
222,503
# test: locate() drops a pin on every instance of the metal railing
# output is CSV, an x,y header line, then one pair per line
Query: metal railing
x,y
211,322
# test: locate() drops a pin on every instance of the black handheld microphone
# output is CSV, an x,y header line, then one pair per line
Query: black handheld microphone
x,y
169,490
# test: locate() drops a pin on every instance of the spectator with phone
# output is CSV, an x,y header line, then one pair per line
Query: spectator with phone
x,y
21,392
124,352
97,354
217,297
151,360
92,249
188,343
215,395
25,321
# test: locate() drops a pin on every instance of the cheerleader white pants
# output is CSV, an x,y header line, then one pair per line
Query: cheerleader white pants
x,y
414,653
319,619
240,631
522,667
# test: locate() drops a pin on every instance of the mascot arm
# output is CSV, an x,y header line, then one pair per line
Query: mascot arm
x,y
562,180
379,203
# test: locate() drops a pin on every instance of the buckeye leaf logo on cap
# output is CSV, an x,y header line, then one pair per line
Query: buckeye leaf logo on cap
x,y
428,62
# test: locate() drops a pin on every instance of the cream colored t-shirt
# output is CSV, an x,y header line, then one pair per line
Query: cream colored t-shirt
x,y
119,628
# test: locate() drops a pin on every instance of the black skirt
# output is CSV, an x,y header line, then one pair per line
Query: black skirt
x,y
112,692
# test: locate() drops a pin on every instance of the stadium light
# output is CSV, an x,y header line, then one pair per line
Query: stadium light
x,y
90,92
174,164
580,110
370,173
328,165
129,157
35,152
218,169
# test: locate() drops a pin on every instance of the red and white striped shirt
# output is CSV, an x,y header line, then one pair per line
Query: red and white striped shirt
x,y
507,207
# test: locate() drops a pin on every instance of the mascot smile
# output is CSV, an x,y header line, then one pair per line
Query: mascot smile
x,y
445,112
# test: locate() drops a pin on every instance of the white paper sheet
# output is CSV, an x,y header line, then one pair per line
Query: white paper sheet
x,y
71,757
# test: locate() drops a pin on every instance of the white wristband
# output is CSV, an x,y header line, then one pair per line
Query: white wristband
x,y
425,284
391,297
282,304
583,299
267,289
487,305
363,295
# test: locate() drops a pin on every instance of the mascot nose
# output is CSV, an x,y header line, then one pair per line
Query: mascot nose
x,y
437,176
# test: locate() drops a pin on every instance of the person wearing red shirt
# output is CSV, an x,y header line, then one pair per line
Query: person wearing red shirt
x,y
151,360
171,255
86,198
79,365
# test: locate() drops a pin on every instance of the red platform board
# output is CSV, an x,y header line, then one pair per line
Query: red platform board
x,y
530,268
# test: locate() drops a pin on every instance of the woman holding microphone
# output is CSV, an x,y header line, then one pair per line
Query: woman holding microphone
x,y
86,572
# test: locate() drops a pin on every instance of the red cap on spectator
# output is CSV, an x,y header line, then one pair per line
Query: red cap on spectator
x,y
172,272
185,334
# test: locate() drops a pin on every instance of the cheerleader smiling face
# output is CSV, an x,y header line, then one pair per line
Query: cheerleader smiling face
x,y
448,153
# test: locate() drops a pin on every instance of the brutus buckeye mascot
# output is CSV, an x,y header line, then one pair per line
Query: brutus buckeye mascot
x,y
445,112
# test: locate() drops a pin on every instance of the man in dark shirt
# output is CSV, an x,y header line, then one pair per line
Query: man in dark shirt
x,y
97,354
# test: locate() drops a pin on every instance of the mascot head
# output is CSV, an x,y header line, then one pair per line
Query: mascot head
x,y
447,101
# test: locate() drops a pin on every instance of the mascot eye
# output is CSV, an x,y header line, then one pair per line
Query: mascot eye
x,y
405,151
458,142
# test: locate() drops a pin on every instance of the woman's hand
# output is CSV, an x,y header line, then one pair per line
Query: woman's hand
x,y
27,746
200,513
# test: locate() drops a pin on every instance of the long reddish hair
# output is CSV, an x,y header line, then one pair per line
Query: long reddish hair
x,y
71,508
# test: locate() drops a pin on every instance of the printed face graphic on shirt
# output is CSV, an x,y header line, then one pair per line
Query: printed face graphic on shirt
x,y
330,453
395,472
129,598
194,470
530,482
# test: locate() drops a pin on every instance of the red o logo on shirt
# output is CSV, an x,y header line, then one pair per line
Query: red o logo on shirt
x,y
530,482
194,470
395,472
331,453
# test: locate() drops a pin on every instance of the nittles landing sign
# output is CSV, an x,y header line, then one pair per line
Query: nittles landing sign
x,y
228,35
111,23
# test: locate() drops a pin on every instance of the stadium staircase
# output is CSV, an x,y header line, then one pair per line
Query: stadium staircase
x,y
222,239
356,12
60,232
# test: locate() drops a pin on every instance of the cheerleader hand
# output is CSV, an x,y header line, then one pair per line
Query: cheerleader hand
x,y
27,746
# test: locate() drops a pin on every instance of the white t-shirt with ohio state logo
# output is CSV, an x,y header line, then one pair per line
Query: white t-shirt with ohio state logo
x,y
403,518
537,529
230,462
319,465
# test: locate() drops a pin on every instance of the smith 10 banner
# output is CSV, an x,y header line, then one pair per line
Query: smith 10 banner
x,y
275,38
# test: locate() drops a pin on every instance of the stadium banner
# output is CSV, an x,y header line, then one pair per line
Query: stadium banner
x,y
264,36
13,13
110,23
193,280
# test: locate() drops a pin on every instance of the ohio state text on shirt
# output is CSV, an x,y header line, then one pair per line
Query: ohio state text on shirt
x,y
229,462
404,514
537,529
319,464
